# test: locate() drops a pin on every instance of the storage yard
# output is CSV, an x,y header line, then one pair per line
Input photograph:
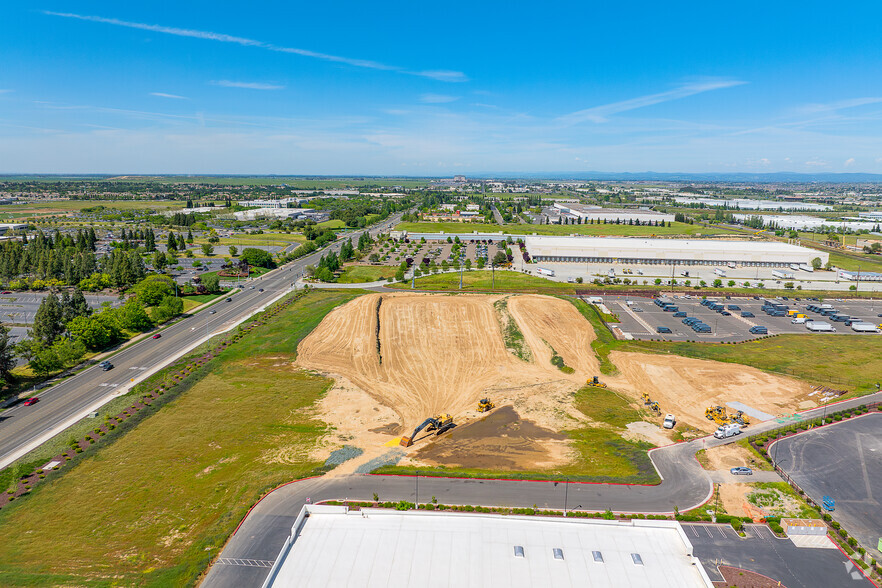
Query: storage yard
x,y
401,358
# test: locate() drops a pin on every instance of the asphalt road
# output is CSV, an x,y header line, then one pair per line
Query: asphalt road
x,y
21,426
251,551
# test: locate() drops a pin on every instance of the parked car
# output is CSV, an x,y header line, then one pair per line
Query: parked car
x,y
663,329
31,401
741,471
679,314
670,421
725,313
156,336
747,314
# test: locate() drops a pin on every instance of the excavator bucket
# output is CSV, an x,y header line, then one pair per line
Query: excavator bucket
x,y
406,442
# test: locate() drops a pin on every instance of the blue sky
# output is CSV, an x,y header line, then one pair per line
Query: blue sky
x,y
403,88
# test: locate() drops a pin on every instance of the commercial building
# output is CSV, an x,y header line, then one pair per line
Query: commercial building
x,y
332,546
853,276
275,203
292,213
669,251
597,214
6,227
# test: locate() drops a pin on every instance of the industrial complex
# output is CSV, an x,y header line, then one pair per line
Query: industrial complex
x,y
333,546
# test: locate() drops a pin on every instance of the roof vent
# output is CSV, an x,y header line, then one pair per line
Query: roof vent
x,y
638,561
558,553
519,551
598,557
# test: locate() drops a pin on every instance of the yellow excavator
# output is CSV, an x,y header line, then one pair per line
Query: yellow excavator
x,y
653,406
646,399
439,423
485,405
741,418
596,383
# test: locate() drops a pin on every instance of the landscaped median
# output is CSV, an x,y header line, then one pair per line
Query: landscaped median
x,y
165,476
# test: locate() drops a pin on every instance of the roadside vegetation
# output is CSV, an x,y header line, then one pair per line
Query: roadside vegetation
x,y
360,274
511,332
622,230
152,507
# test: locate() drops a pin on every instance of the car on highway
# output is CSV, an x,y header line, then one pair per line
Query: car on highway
x,y
212,312
741,471
229,299
156,336
105,365
31,401
10,292
261,290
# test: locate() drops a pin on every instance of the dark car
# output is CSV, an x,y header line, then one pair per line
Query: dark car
x,y
725,313
156,336
747,314
212,312
31,401
663,329
679,314
261,290
105,365
229,299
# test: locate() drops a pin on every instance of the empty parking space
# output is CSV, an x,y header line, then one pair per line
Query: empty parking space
x,y
842,461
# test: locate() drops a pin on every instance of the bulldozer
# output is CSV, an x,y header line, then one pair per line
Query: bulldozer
x,y
595,382
717,414
485,405
741,418
438,423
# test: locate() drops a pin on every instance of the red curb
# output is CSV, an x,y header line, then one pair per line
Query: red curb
x,y
253,506
510,480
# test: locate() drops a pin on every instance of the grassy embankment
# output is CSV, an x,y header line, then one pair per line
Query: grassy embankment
x,y
150,508
360,274
525,229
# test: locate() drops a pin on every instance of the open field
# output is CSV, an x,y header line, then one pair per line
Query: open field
x,y
358,274
525,229
242,240
67,206
144,509
294,182
482,281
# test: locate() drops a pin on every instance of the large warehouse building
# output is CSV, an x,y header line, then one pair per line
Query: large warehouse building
x,y
589,213
669,251
331,546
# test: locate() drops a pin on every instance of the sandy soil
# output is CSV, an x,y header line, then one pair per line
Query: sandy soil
x,y
730,456
644,431
686,387
442,353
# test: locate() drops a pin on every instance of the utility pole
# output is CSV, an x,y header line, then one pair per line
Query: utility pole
x,y
566,493
493,275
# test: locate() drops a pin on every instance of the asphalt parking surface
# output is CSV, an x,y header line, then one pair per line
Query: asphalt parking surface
x,y
20,307
643,323
843,461
779,559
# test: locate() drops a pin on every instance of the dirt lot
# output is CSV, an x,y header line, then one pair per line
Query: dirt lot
x,y
686,387
400,358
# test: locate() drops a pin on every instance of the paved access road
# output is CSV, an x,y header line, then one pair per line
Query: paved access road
x,y
250,552
61,405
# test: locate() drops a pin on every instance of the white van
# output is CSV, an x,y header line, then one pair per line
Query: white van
x,y
670,421
799,321
730,430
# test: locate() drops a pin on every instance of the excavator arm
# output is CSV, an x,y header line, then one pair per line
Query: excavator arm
x,y
408,441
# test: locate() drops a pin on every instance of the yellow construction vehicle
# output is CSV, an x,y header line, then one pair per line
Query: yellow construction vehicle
x,y
596,383
439,423
653,406
485,405
646,399
741,418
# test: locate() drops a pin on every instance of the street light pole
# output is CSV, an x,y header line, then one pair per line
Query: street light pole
x,y
418,489
566,493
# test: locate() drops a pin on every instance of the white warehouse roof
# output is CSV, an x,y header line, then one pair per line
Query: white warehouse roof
x,y
334,547
702,250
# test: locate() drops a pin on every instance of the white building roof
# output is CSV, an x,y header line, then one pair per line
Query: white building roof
x,y
333,547
686,249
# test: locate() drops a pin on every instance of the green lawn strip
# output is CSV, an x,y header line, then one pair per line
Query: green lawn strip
x,y
143,509
564,230
481,281
254,272
605,406
332,224
860,262
359,274
603,457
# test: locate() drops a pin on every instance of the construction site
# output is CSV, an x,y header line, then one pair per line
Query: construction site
x,y
487,381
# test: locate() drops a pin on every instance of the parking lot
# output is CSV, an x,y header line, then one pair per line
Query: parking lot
x,y
19,308
760,551
843,461
641,318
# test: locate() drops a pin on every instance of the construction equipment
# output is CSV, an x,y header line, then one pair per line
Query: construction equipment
x,y
439,423
653,406
485,405
717,414
595,382
741,418
646,399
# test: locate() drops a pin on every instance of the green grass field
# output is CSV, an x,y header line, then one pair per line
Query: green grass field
x,y
524,229
332,224
144,510
481,280
65,206
242,240
359,274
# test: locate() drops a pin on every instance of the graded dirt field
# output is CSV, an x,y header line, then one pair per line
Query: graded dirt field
x,y
400,358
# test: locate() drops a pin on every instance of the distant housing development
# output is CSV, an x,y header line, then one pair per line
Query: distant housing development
x,y
669,251
332,546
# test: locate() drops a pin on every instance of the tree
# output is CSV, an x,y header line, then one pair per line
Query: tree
x,y
133,317
258,257
94,334
49,321
150,240
169,308
816,263
159,262
7,356
234,251
499,259
189,236
172,243
151,290
731,283
211,282
718,283
207,249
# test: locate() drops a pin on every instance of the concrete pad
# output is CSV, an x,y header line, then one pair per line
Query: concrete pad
x,y
752,412
812,541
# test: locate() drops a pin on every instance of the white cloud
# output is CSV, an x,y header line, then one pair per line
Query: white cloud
x,y
599,114
2,91
164,95
437,98
849,162
440,75
840,104
247,85
816,163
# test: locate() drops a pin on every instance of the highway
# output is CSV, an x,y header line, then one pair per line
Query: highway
x,y
246,558
22,428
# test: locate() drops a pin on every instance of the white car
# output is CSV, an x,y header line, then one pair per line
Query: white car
x,y
670,421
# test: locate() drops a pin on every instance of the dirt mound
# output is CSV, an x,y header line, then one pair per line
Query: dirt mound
x,y
499,441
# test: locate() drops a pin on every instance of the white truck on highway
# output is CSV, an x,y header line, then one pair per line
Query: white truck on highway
x,y
545,272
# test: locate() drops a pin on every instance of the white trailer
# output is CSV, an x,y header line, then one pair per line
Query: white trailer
x,y
731,265
545,272
595,300
807,268
782,275
820,327
720,272
795,267
864,328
